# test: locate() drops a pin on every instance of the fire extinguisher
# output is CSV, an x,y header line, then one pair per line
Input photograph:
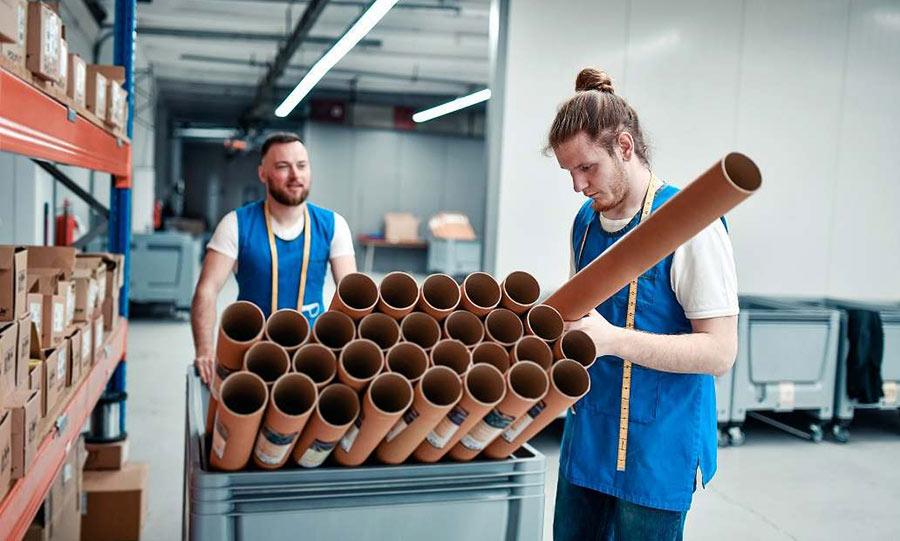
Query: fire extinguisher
x,y
66,226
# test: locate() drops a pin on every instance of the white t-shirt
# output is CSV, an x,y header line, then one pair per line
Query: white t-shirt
x,y
225,238
703,274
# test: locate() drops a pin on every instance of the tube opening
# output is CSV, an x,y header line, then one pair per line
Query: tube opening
x,y
742,171
408,360
482,290
522,288
441,386
338,405
267,360
242,321
485,384
528,380
391,393
493,354
316,361
578,346
545,322
420,329
570,378
441,292
381,329
334,329
532,348
294,394
453,354
358,291
399,290
362,359
465,327
244,393
287,328
504,326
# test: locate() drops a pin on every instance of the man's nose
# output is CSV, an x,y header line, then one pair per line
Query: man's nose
x,y
578,184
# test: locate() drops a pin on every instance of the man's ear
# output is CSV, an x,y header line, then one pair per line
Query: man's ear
x,y
626,145
259,173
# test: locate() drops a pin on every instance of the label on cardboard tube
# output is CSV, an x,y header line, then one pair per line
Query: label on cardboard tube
x,y
220,438
316,454
406,420
448,426
486,430
515,429
272,447
350,437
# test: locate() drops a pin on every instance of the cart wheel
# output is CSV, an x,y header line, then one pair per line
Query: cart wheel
x,y
736,436
816,432
841,433
723,438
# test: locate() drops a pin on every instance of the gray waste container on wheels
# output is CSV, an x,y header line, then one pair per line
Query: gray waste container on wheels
x,y
485,500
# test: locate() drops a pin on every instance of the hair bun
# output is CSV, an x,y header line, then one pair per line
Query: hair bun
x,y
593,79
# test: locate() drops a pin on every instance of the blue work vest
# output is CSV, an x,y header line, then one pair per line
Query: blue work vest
x,y
254,271
672,422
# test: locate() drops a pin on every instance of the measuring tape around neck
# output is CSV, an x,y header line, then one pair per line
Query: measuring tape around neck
x,y
622,448
307,240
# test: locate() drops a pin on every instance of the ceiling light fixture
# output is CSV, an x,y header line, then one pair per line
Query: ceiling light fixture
x,y
358,30
452,106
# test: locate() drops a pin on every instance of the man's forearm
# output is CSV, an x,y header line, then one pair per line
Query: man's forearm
x,y
693,353
203,319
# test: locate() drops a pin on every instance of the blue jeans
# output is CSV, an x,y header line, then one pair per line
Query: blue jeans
x,y
582,514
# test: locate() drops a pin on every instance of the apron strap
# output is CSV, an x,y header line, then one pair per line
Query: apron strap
x,y
307,241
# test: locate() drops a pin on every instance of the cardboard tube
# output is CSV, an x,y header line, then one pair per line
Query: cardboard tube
x,y
291,402
316,361
267,360
452,354
240,411
337,408
439,390
334,330
381,329
398,295
242,325
569,381
544,322
479,293
407,359
519,291
287,328
526,383
387,398
421,329
722,187
576,345
356,296
483,388
504,327
360,361
439,296
465,327
491,353
531,348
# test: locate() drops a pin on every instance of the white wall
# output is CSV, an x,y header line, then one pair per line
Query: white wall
x,y
806,88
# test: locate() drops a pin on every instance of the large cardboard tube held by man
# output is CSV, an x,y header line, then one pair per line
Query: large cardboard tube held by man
x,y
291,402
333,330
360,361
526,383
388,396
439,296
483,388
479,293
356,296
723,186
464,326
438,391
267,360
381,329
398,295
242,325
288,328
576,345
243,399
316,361
407,359
336,409
520,291
569,382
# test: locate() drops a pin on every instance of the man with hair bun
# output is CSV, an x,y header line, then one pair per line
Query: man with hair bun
x,y
629,465
278,248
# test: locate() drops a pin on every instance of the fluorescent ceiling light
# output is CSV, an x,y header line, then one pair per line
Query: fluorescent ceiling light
x,y
356,32
205,133
452,106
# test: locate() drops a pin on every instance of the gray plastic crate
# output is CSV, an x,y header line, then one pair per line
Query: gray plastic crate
x,y
165,267
454,257
787,361
724,390
480,500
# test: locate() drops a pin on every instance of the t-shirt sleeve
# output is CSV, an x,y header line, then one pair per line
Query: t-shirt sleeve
x,y
703,275
225,238
342,241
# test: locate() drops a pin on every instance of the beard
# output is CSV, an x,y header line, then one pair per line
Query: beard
x,y
618,189
287,199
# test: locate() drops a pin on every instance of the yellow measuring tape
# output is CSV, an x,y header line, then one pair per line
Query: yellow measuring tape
x,y
622,449
307,236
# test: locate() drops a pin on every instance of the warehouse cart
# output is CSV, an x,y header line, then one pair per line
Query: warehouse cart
x,y
787,361
724,390
479,500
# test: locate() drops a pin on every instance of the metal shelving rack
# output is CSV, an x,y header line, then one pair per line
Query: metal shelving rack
x,y
33,124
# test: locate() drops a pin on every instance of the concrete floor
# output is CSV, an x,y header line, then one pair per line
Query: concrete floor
x,y
774,487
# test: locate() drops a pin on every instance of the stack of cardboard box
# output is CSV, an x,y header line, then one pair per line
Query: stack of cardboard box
x,y
59,517
115,491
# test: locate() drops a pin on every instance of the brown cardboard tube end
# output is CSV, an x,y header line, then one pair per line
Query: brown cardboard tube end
x,y
464,326
408,360
742,171
381,329
420,329
316,361
576,345
503,326
287,328
360,361
356,296
486,384
532,348
398,294
480,293
528,380
334,330
441,386
242,325
267,360
453,354
520,291
491,353
439,296
544,322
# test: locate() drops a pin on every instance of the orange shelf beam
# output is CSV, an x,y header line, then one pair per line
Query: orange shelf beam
x,y
34,124
21,504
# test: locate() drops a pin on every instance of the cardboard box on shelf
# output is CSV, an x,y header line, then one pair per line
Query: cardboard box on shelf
x,y
401,227
116,503
59,517
117,98
53,320
9,337
8,30
60,258
87,347
95,93
23,351
25,407
98,339
111,311
43,41
73,365
53,374
35,373
93,266
106,456
451,225
12,55
86,290
76,85
13,282
5,450
115,273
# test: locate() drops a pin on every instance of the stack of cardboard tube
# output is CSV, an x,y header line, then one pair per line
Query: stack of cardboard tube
x,y
394,372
